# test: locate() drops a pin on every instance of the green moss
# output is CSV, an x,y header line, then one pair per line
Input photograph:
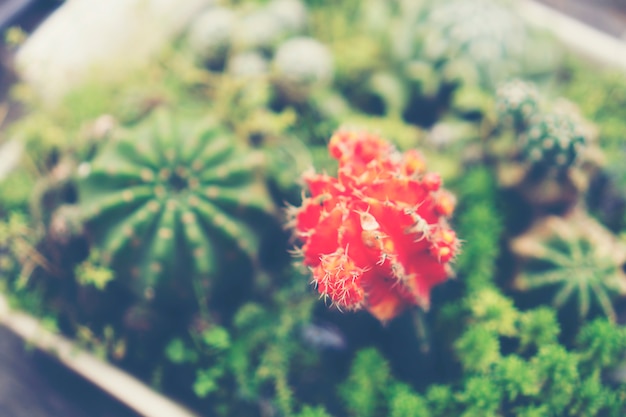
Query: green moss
x,y
538,327
365,389
404,402
478,348
479,225
602,345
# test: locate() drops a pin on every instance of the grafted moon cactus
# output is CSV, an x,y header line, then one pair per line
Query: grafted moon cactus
x,y
376,236
163,200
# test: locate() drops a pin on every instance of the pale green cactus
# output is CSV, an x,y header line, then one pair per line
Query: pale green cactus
x,y
165,199
579,257
301,65
553,139
484,39
517,102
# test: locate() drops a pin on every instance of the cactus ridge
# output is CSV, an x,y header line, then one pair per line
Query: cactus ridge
x,y
581,260
166,193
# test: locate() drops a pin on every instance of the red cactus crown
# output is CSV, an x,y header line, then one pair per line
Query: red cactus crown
x,y
375,236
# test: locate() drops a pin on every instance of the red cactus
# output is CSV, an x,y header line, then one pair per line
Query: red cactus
x,y
375,237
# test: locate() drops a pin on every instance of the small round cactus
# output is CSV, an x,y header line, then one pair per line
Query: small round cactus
x,y
292,15
577,256
553,140
210,35
165,199
301,64
258,30
247,64
516,103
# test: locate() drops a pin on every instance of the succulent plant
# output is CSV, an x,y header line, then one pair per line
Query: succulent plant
x,y
248,64
376,236
300,65
257,30
224,30
553,139
292,15
516,102
483,38
169,197
543,148
577,255
210,35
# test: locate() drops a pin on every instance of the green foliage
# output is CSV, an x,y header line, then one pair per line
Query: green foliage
x,y
478,348
16,190
404,402
590,399
259,355
601,95
538,327
207,381
481,397
515,377
216,338
493,311
532,411
308,411
177,352
602,344
479,224
365,388
19,256
169,194
90,272
442,400
558,375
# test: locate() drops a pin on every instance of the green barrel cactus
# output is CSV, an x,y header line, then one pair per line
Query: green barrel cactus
x,y
578,257
553,139
172,198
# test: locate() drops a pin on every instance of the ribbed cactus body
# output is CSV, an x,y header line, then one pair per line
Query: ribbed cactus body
x,y
166,198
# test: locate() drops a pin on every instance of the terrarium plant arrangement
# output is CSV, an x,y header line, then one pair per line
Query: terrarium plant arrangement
x,y
356,208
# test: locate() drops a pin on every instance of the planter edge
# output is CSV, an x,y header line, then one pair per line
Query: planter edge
x,y
125,388
578,36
